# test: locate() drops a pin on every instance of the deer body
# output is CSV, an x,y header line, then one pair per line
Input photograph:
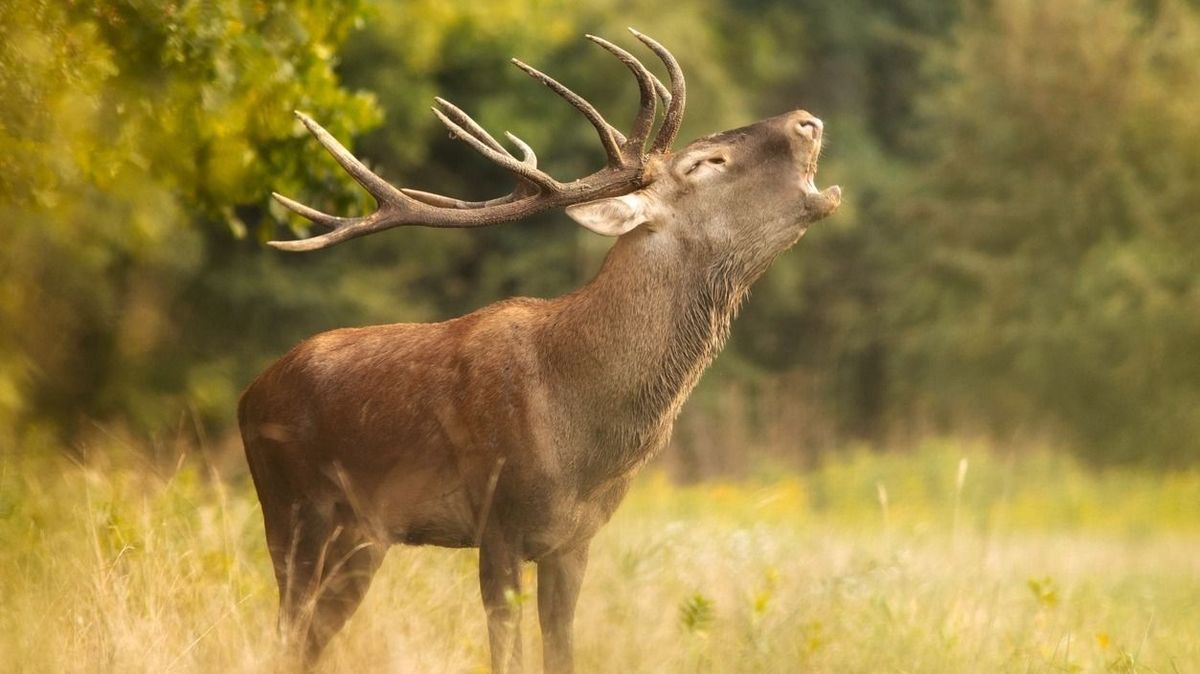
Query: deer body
x,y
435,403
517,428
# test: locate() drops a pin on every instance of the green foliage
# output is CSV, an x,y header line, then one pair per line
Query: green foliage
x,y
130,135
1059,227
1044,590
696,613
1016,253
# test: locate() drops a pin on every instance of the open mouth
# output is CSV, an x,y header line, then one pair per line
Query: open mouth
x,y
825,201
808,182
818,203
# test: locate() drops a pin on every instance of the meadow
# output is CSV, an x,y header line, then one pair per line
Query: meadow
x,y
948,558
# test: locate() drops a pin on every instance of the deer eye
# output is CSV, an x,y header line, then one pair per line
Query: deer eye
x,y
714,160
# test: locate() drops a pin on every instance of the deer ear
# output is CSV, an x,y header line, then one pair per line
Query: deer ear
x,y
613,216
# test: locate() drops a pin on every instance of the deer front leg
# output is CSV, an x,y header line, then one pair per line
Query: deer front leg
x,y
500,585
559,578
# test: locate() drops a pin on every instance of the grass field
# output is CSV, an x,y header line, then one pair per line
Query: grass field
x,y
947,559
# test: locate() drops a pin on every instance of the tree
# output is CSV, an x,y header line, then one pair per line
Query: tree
x,y
130,134
1052,258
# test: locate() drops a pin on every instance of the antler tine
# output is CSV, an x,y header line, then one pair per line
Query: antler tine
x,y
609,136
677,100
522,190
503,158
442,201
388,197
527,155
342,228
317,242
465,120
318,217
662,91
378,187
645,116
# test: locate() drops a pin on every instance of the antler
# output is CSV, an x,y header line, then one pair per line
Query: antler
x,y
536,190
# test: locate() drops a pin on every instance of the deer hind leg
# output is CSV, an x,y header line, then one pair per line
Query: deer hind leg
x,y
324,564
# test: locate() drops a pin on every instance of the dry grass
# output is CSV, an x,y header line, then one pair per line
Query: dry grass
x,y
872,563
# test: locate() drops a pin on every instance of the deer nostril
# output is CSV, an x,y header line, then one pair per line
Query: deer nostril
x,y
809,127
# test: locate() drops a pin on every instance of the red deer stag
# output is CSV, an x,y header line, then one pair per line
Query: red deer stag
x,y
517,428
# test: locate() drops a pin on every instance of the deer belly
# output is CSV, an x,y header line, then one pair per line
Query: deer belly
x,y
426,508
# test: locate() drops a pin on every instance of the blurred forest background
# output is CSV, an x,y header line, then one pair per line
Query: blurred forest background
x,y
1017,257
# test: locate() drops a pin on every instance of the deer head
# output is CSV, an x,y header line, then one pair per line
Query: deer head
x,y
748,191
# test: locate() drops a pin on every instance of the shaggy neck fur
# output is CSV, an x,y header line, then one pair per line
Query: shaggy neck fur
x,y
630,345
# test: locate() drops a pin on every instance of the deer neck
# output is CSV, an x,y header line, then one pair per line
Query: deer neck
x,y
629,346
